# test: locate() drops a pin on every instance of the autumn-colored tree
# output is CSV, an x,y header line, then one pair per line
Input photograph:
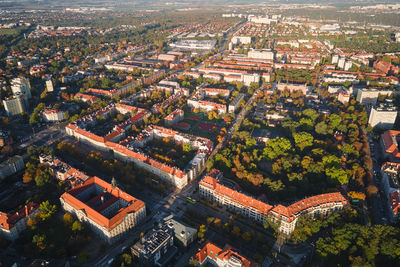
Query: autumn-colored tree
x,y
356,195
236,231
27,178
68,219
371,190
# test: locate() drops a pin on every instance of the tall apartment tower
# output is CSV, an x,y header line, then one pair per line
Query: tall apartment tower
x,y
16,105
21,85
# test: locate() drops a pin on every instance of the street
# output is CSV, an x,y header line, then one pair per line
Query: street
x,y
173,202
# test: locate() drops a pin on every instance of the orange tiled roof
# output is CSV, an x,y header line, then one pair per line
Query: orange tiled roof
x,y
209,250
134,203
395,201
235,196
7,220
390,143
212,251
289,213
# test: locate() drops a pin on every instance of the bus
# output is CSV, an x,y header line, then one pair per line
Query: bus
x,y
191,200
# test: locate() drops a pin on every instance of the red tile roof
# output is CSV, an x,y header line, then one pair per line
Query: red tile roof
x,y
235,196
212,251
7,220
395,202
209,250
390,143
288,213
91,98
134,203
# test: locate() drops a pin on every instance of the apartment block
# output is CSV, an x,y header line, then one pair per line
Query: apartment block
x,y
21,86
11,166
383,116
218,189
12,224
16,105
212,255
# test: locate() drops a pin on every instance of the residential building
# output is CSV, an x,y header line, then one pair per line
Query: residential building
x,y
341,62
232,75
311,206
11,166
261,54
335,59
21,86
49,86
5,138
261,135
386,67
12,224
232,107
213,255
197,101
176,116
195,44
343,97
261,20
348,65
166,57
249,78
241,40
156,248
214,187
397,37
16,105
212,76
394,206
383,116
184,235
63,172
292,43
369,97
335,89
217,92
217,189
390,145
390,184
303,88
51,115
102,92
86,97
109,211
129,150
266,76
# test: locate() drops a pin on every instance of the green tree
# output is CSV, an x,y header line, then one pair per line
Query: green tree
x,y
322,128
127,258
236,231
311,113
43,178
76,227
276,147
186,147
46,210
68,219
272,225
40,241
303,140
334,121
